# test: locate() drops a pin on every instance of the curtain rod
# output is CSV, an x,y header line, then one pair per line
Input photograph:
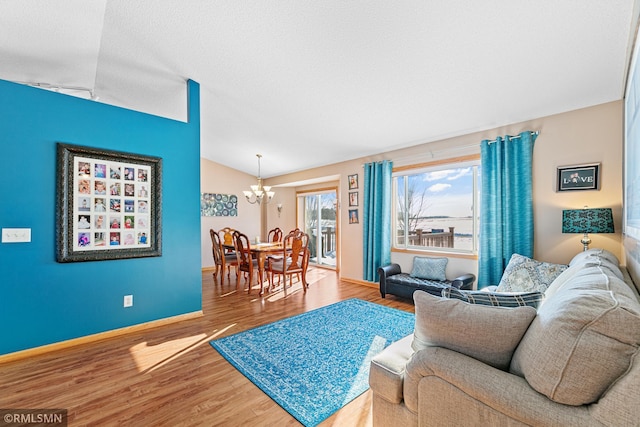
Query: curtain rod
x,y
512,137
432,153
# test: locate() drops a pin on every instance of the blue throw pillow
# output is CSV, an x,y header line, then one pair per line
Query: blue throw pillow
x,y
429,268
496,299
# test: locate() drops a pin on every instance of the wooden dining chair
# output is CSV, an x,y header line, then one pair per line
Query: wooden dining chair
x,y
294,259
218,258
246,262
226,237
274,235
223,261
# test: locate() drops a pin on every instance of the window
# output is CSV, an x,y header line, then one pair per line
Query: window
x,y
436,208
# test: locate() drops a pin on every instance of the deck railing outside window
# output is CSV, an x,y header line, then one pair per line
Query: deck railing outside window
x,y
436,237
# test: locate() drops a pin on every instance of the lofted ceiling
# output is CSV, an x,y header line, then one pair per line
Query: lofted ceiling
x,y
309,83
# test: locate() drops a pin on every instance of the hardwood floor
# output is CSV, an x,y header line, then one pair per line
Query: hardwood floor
x,y
170,375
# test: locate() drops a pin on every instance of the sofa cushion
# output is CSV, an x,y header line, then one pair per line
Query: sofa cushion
x,y
582,339
429,268
524,274
497,299
581,268
595,252
489,334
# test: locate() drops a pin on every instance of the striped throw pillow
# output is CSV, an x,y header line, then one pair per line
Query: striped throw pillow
x,y
496,299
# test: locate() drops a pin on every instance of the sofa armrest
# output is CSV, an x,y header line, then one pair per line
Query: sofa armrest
x,y
487,392
464,282
386,373
389,270
384,272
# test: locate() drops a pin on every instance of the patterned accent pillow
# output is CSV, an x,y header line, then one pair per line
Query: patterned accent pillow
x,y
524,274
520,299
429,268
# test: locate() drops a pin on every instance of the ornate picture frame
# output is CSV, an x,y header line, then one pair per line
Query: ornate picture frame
x,y
108,204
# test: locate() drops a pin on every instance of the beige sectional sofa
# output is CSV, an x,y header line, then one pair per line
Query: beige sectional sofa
x,y
572,362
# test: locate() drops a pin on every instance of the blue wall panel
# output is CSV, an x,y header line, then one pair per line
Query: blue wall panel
x,y
44,301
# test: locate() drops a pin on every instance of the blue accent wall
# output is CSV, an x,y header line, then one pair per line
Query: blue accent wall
x,y
44,302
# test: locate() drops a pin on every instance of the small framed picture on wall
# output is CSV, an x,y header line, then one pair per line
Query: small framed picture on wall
x,y
353,182
353,216
353,198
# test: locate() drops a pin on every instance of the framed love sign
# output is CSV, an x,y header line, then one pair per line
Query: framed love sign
x,y
579,177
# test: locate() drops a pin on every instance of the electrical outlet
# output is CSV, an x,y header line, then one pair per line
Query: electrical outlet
x,y
128,300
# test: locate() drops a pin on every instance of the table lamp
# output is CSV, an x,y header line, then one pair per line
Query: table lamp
x,y
587,221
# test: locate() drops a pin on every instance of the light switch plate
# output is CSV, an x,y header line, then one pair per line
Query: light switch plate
x,y
16,235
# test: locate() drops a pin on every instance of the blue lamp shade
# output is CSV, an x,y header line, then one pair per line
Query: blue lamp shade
x,y
587,221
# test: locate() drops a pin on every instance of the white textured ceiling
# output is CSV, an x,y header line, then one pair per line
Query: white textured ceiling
x,y
308,83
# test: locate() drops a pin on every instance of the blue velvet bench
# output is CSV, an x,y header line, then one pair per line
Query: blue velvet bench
x,y
393,281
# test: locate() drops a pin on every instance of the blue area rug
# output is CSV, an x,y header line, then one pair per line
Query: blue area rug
x,y
315,363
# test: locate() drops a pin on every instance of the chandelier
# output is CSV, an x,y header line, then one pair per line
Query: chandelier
x,y
258,192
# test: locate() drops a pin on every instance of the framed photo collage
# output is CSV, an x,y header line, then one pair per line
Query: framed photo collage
x,y
109,205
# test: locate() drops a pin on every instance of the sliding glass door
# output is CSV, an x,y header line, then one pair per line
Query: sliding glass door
x,y
318,214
